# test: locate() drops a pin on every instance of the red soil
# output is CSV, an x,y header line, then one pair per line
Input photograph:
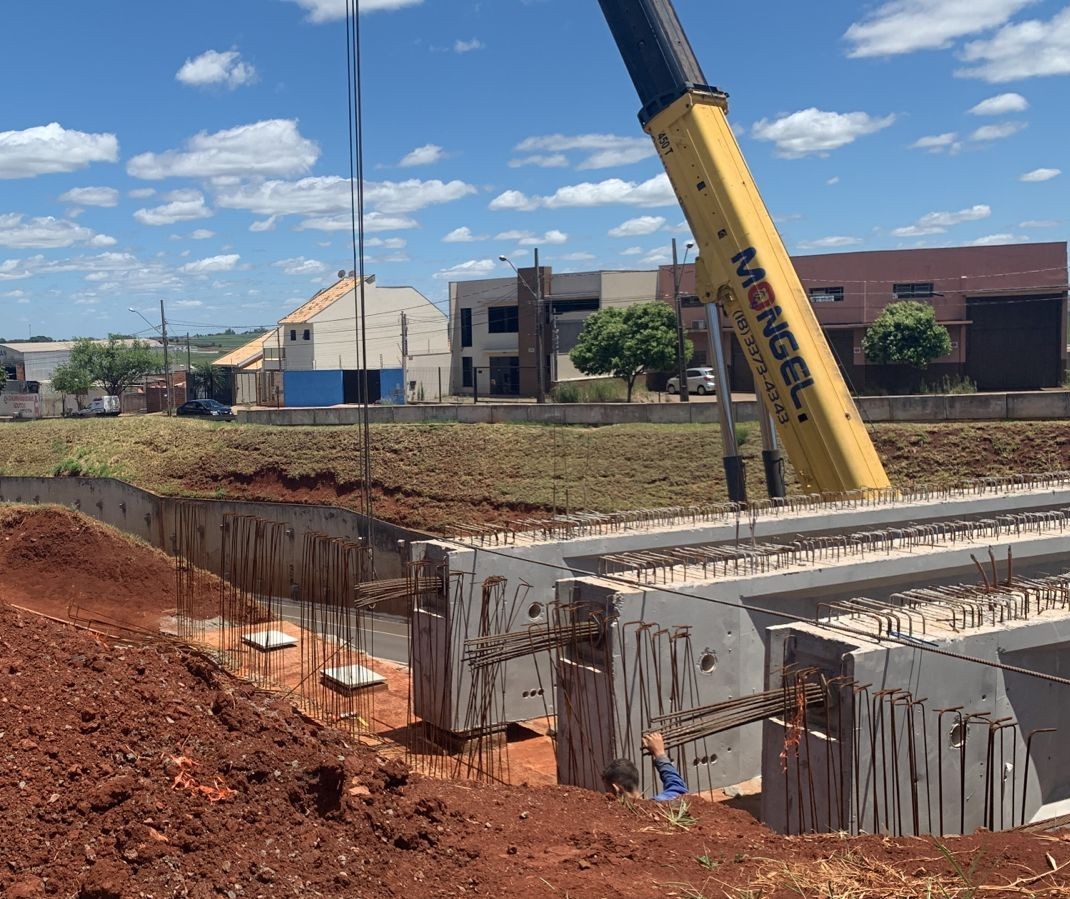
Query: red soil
x,y
97,801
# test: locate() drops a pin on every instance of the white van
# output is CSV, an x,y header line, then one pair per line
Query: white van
x,y
102,405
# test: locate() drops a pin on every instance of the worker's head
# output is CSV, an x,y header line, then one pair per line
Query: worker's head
x,y
621,778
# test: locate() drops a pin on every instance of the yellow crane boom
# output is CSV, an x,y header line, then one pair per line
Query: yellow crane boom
x,y
743,265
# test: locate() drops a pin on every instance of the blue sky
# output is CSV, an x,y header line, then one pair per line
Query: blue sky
x,y
197,152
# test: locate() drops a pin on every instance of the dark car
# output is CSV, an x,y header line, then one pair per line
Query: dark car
x,y
207,409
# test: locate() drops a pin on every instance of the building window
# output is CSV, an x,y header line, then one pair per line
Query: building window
x,y
561,307
698,357
502,320
699,324
466,371
826,294
690,301
913,291
307,335
466,327
293,334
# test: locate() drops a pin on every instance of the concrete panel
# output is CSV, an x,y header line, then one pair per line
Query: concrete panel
x,y
918,408
974,406
1039,405
875,408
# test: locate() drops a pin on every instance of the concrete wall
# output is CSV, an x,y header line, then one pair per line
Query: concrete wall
x,y
877,795
1033,405
152,518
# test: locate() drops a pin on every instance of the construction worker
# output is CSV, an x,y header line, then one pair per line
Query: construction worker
x,y
621,777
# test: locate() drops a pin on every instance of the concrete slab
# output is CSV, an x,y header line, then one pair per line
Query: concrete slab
x,y
348,678
268,641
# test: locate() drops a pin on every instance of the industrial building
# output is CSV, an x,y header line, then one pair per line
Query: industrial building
x,y
319,346
495,325
1005,308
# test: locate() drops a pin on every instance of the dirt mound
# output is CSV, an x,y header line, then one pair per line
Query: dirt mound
x,y
128,771
52,557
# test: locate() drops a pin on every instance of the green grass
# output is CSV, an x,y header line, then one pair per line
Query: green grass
x,y
433,475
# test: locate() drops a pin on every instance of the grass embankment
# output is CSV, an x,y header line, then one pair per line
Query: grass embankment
x,y
432,476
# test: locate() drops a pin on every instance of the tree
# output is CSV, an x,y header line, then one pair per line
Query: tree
x,y
206,380
3,377
73,380
115,365
906,333
627,342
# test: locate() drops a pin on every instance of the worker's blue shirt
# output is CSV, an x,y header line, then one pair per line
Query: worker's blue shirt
x,y
672,784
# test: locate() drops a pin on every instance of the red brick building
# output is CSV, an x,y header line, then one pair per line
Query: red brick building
x,y
1004,306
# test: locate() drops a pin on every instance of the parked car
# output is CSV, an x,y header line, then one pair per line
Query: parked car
x,y
102,405
700,381
206,409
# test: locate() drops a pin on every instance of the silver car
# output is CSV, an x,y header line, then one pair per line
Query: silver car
x,y
700,381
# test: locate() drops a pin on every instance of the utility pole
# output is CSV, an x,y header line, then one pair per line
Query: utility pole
x,y
404,356
189,367
166,361
539,351
681,362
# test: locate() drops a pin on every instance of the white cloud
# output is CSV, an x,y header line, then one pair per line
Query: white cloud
x,y
638,227
996,239
1040,223
515,200
227,69
657,191
267,224
1026,49
656,257
329,10
91,196
463,235
330,194
184,206
939,222
389,243
300,266
997,132
101,241
553,161
601,150
47,149
826,243
468,46
1001,104
833,181
270,147
1041,175
632,251
141,193
936,143
817,131
904,26
373,221
41,233
550,238
473,268
202,234
212,264
577,257
187,304
425,155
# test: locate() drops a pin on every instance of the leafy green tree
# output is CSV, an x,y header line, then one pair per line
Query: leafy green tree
x,y
625,343
906,333
3,377
115,365
73,380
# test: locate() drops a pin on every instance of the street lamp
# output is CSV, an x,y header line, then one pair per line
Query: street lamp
x,y
166,364
681,362
537,293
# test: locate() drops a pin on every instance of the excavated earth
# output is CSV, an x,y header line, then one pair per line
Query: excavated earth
x,y
138,769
